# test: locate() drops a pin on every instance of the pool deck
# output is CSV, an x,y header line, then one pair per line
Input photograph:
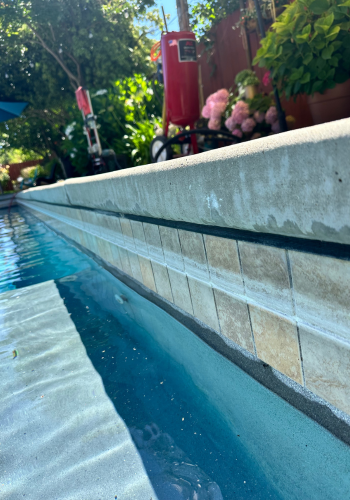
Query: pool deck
x,y
61,437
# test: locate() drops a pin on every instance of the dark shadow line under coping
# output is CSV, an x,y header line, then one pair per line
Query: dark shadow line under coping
x,y
302,399
317,247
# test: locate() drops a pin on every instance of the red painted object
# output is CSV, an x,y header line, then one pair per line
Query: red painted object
x,y
83,101
180,72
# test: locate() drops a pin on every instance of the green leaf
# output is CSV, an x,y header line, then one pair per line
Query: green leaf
x,y
307,59
296,74
296,87
319,6
333,61
327,52
323,24
345,26
333,32
317,86
305,78
319,44
304,34
345,4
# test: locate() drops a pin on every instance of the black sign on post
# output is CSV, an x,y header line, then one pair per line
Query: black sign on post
x,y
187,50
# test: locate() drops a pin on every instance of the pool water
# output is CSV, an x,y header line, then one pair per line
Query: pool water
x,y
30,254
203,429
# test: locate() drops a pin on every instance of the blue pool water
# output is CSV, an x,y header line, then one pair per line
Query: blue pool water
x,y
202,428
30,254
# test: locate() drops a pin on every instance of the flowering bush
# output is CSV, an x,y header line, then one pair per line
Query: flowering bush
x,y
246,119
215,107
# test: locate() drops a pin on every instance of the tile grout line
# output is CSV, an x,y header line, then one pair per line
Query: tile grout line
x,y
290,276
211,286
246,297
185,271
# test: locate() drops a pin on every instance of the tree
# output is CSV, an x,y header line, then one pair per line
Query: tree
x,y
90,40
50,47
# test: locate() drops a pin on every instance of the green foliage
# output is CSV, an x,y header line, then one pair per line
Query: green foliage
x,y
260,102
49,48
246,77
139,139
126,114
4,176
307,50
207,14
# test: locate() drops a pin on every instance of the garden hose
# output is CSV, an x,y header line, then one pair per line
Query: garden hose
x,y
154,55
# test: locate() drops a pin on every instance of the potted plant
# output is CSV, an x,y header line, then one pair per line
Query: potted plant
x,y
247,83
307,50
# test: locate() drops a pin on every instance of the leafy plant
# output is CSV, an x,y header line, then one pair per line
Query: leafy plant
x,y
4,177
307,49
126,113
138,140
246,77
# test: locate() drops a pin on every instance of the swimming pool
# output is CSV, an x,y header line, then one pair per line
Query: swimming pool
x,y
97,361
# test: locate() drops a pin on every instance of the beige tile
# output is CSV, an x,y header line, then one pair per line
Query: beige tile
x,y
223,263
90,222
180,290
203,303
112,230
115,255
266,277
193,253
147,273
139,237
78,235
326,367
104,249
171,247
276,342
91,243
153,242
124,260
322,291
234,319
162,281
127,233
75,217
135,266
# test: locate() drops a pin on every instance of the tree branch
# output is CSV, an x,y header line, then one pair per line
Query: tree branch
x,y
73,79
77,65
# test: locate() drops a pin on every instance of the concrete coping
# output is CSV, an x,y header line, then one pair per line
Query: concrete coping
x,y
292,184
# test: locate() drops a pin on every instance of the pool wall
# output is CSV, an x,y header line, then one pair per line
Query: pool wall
x,y
249,244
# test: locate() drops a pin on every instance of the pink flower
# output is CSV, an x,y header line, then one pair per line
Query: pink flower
x,y
221,95
266,78
275,127
211,98
240,112
214,124
218,109
259,116
238,133
248,125
230,123
271,115
206,111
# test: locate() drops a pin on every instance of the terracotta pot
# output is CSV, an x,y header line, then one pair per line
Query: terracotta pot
x,y
333,104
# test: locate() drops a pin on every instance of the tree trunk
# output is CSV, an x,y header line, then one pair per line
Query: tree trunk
x,y
182,14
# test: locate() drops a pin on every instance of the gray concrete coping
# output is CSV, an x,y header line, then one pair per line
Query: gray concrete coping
x,y
292,184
